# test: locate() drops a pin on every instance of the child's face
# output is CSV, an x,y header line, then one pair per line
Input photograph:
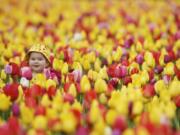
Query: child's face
x,y
37,62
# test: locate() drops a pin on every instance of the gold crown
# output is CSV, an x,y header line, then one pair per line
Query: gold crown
x,y
41,49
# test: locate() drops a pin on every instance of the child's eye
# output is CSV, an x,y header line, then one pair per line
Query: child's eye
x,y
40,59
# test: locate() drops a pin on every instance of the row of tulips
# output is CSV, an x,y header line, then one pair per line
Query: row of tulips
x,y
118,64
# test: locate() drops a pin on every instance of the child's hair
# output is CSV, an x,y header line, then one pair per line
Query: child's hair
x,y
40,49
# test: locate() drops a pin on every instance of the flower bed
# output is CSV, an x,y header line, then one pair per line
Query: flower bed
x,y
118,63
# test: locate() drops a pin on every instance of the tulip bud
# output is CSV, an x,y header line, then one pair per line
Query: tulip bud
x,y
24,82
49,83
3,75
85,84
72,90
8,69
111,116
100,86
5,102
169,69
64,68
139,59
26,72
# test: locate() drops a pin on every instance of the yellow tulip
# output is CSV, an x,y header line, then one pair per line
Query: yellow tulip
x,y
68,122
142,131
3,75
2,84
128,131
45,101
169,69
102,98
21,94
97,64
51,113
103,73
49,83
149,59
40,122
100,86
57,64
111,116
94,113
64,68
117,54
25,111
99,127
174,88
77,65
31,132
77,105
5,102
159,86
170,109
39,79
137,108
85,84
178,64
72,90
86,64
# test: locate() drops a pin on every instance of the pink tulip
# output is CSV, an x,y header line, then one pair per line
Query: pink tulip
x,y
77,75
26,72
121,71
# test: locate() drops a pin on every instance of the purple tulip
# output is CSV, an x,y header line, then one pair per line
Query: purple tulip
x,y
8,69
139,59
15,109
158,69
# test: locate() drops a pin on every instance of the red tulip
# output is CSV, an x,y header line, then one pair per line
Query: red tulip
x,y
66,86
15,69
120,123
148,90
11,90
127,80
68,98
53,122
111,70
177,100
36,91
40,110
51,91
31,102
41,132
177,71
14,126
90,95
113,82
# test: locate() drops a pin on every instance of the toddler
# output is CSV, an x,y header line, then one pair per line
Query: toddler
x,y
38,59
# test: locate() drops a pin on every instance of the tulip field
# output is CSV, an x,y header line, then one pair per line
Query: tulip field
x,y
117,63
